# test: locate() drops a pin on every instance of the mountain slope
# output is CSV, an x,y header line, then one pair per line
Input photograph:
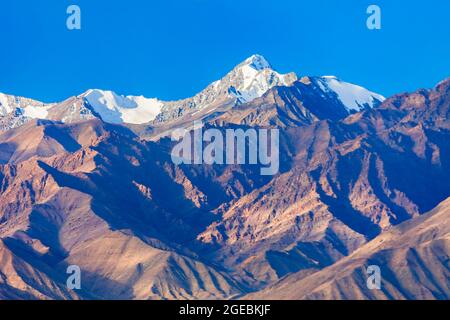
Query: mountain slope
x,y
21,279
61,201
117,266
249,80
353,97
413,257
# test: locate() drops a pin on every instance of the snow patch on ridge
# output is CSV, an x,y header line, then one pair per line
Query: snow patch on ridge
x,y
258,78
35,112
5,108
248,81
353,97
114,108
26,107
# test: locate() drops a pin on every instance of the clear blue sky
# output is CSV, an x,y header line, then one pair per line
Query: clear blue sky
x,y
173,48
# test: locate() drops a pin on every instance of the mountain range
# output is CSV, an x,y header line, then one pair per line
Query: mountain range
x,y
249,80
363,180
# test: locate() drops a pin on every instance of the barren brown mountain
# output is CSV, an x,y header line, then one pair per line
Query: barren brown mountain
x,y
413,259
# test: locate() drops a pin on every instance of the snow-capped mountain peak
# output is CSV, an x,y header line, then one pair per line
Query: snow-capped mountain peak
x,y
353,97
254,77
247,81
114,108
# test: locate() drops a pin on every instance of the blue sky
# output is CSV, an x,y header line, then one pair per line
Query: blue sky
x,y
172,49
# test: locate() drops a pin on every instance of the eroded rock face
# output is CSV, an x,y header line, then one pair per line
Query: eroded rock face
x,y
97,195
413,259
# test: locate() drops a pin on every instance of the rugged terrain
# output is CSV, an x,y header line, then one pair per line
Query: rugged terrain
x,y
90,182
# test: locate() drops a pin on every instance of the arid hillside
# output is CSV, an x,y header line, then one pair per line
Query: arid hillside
x,y
354,188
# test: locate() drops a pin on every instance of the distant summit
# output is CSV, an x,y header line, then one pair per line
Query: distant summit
x,y
257,62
